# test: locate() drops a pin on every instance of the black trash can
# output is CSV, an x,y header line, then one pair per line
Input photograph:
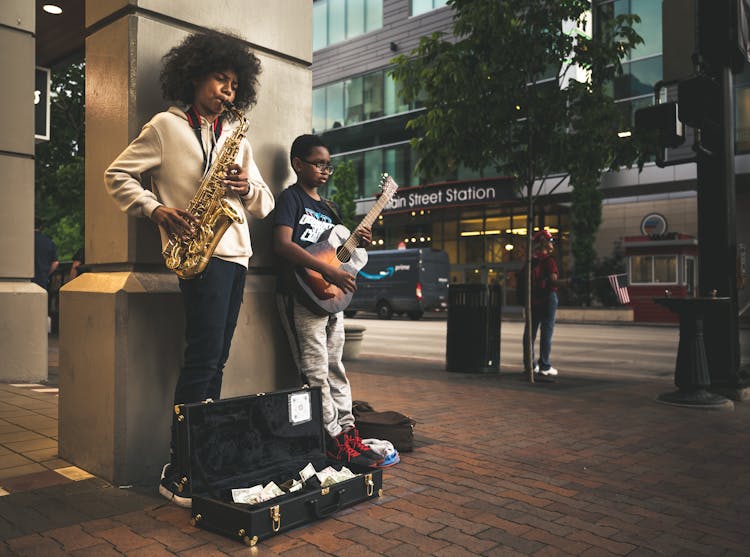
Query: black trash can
x,y
473,340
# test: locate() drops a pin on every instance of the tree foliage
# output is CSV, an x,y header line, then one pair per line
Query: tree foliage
x,y
488,102
344,192
59,165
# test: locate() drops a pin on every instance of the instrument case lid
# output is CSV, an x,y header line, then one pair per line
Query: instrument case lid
x,y
249,440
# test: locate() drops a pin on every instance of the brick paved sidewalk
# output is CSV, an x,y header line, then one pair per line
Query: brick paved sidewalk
x,y
583,466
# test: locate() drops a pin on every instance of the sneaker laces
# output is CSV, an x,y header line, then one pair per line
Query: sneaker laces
x,y
348,450
344,450
354,440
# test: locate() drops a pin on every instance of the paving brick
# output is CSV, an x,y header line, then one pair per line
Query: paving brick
x,y
204,551
170,537
123,538
407,550
372,541
456,537
611,546
355,550
511,540
45,548
556,542
99,550
73,537
153,550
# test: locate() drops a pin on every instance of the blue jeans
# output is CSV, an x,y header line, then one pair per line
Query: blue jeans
x,y
541,317
212,304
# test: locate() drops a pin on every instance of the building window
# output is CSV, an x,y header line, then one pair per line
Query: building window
x,y
643,67
653,269
338,20
358,99
370,164
423,6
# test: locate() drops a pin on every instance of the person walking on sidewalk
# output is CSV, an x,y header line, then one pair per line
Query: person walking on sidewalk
x,y
544,284
302,218
177,148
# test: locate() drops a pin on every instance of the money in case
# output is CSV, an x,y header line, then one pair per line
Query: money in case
x,y
242,442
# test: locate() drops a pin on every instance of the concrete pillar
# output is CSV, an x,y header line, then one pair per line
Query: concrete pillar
x,y
121,326
23,304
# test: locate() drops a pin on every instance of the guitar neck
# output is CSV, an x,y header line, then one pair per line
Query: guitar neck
x,y
351,243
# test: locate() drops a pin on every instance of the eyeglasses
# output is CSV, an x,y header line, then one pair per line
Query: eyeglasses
x,y
321,166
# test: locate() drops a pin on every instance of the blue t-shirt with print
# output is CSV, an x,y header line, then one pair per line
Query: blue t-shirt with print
x,y
308,218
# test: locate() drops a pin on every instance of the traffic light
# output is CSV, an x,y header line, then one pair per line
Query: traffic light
x,y
661,121
699,98
723,33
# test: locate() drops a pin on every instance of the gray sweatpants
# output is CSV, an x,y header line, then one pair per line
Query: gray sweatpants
x,y
317,344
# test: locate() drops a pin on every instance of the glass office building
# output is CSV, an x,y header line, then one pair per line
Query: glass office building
x,y
357,111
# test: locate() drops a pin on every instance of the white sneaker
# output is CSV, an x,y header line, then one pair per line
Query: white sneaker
x,y
536,368
551,371
169,488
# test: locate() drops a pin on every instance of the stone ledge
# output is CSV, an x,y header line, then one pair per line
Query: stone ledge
x,y
595,315
579,314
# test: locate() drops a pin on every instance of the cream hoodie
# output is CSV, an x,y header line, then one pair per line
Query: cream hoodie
x,y
168,152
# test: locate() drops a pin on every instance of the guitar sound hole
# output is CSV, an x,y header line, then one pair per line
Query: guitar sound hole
x,y
343,255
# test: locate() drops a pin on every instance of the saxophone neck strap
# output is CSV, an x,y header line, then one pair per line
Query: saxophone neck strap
x,y
195,120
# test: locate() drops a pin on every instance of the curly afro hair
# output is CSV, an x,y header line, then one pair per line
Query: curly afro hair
x,y
203,53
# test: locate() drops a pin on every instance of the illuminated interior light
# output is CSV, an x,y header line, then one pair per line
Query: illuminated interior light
x,y
52,9
421,238
509,247
471,233
624,134
429,238
413,239
413,213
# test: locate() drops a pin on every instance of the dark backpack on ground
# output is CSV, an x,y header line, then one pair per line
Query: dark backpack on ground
x,y
389,425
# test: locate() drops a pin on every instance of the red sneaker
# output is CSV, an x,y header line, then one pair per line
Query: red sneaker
x,y
355,441
339,449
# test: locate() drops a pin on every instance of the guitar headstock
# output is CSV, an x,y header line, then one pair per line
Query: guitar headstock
x,y
387,185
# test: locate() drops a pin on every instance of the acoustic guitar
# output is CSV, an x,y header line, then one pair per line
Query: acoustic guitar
x,y
338,247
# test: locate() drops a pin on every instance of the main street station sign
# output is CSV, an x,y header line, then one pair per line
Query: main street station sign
x,y
451,194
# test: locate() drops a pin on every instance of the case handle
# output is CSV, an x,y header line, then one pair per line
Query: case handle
x,y
320,513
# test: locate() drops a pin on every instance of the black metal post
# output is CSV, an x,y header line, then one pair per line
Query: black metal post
x,y
717,237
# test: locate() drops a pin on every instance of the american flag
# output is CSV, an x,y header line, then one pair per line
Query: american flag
x,y
620,291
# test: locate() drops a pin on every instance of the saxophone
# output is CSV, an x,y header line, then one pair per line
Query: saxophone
x,y
188,257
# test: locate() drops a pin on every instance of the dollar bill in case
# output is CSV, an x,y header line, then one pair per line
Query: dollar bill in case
x,y
244,442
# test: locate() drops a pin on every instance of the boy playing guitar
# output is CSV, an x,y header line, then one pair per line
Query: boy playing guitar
x,y
301,219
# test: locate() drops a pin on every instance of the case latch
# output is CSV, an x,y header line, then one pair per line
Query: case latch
x,y
275,518
369,485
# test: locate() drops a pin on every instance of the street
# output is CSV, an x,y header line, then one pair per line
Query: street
x,y
599,349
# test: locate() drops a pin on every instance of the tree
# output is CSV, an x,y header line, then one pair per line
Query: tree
x,y
519,89
59,165
344,192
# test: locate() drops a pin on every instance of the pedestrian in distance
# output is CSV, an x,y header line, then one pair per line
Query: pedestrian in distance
x,y
45,256
301,219
544,301
177,149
